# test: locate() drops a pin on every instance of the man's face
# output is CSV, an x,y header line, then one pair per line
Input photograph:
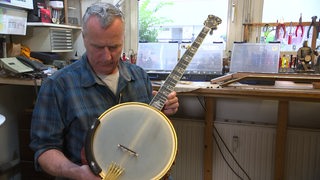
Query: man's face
x,y
104,46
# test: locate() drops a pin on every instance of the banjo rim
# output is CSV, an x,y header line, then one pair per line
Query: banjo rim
x,y
91,158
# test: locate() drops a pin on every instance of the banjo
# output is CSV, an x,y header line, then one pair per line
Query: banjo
x,y
137,141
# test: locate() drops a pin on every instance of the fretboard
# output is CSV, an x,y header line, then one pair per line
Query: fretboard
x,y
174,77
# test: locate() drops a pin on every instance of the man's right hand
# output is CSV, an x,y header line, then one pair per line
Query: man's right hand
x,y
86,174
56,164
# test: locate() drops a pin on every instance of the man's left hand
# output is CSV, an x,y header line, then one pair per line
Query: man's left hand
x,y
171,105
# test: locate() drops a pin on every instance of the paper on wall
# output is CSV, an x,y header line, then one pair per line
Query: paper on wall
x,y
13,21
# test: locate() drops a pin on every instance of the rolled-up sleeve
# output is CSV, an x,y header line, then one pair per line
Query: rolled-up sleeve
x,y
47,125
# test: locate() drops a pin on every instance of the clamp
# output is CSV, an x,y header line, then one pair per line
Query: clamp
x,y
267,29
300,26
283,27
313,23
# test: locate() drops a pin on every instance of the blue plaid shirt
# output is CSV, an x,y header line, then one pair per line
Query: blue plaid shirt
x,y
69,101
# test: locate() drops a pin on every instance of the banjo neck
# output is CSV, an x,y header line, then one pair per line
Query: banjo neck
x,y
174,77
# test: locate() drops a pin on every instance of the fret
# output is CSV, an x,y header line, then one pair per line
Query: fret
x,y
175,72
198,41
185,61
171,85
170,82
188,56
204,33
175,76
164,92
202,36
180,70
161,96
179,73
168,91
193,49
156,104
182,66
196,45
162,100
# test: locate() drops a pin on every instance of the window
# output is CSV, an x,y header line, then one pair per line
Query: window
x,y
167,28
289,11
184,19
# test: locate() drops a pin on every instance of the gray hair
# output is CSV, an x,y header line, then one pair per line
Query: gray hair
x,y
106,13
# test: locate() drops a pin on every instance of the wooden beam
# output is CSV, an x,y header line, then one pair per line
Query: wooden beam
x,y
210,104
283,111
276,23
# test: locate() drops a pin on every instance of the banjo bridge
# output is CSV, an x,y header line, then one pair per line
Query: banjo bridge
x,y
124,148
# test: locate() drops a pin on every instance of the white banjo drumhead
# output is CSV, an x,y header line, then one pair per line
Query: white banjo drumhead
x,y
137,137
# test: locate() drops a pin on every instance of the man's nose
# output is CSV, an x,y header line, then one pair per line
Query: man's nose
x,y
107,53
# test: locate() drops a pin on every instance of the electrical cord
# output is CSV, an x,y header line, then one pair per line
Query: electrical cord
x,y
202,104
217,132
224,158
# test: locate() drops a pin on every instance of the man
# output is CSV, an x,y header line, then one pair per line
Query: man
x,y
70,100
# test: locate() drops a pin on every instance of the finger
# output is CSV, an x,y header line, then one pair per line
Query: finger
x,y
172,94
154,92
170,111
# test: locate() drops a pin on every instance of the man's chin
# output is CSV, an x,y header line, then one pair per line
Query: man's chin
x,y
107,70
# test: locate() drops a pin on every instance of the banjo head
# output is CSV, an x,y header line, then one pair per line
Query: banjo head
x,y
134,138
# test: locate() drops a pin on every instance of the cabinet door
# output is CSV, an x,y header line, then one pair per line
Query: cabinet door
x,y
48,39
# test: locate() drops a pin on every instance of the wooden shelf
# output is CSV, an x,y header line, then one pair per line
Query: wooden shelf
x,y
41,24
275,24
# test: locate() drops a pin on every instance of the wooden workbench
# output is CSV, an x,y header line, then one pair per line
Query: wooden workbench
x,y
20,81
286,88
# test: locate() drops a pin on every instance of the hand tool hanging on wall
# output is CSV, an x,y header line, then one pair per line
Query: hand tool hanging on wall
x,y
290,34
313,23
278,29
267,29
318,28
299,26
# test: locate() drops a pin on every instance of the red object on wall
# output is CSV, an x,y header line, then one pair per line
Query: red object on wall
x,y
45,15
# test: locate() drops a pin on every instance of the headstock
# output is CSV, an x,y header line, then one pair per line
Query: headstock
x,y
212,22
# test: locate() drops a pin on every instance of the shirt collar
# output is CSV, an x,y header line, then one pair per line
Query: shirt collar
x,y
89,78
